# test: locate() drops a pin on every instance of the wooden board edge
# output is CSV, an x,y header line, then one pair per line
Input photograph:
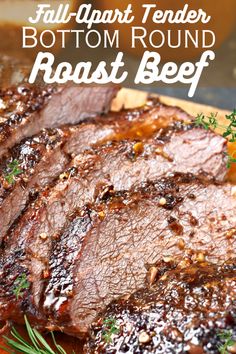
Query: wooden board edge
x,y
130,98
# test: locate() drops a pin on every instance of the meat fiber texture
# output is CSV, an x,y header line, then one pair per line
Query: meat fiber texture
x,y
27,109
188,309
43,157
115,166
105,249
79,240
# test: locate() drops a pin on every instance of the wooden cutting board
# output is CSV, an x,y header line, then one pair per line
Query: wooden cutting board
x,y
128,98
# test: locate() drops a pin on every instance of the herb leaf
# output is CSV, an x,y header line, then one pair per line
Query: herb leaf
x,y
230,160
201,121
110,327
21,284
38,344
211,122
59,348
232,116
14,170
226,336
207,122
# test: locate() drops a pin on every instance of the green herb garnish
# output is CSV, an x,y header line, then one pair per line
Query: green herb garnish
x,y
110,327
14,170
228,342
207,122
230,160
21,284
211,122
230,132
36,345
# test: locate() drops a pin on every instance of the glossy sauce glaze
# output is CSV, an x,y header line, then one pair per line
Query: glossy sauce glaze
x,y
27,154
71,344
19,102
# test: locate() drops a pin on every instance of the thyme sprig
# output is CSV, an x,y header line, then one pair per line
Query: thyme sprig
x,y
230,159
207,122
228,131
226,337
20,284
36,345
13,171
110,327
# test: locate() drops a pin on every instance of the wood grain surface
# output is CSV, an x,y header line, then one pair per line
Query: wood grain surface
x,y
129,98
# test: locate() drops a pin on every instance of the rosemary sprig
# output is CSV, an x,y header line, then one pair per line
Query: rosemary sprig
x,y
21,284
228,342
14,170
36,345
211,122
110,327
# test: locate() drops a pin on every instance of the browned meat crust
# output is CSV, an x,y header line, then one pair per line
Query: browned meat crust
x,y
27,109
184,312
104,251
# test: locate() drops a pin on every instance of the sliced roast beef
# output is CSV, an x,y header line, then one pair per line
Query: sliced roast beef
x,y
106,249
32,164
140,123
119,166
27,109
172,217
116,166
36,161
189,310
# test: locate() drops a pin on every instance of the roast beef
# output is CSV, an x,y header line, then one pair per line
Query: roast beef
x,y
29,166
36,161
106,249
27,109
189,310
130,124
116,166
